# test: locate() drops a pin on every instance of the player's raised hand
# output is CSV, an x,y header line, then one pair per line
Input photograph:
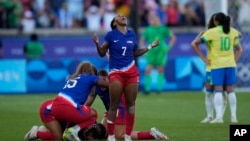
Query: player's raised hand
x,y
95,38
155,43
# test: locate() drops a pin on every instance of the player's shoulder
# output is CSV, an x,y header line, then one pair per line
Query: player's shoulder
x,y
233,30
130,31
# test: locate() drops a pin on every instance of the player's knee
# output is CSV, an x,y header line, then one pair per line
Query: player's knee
x,y
131,109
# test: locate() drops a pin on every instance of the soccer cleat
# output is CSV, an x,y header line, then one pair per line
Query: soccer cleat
x,y
127,138
32,134
217,121
207,120
234,120
111,138
71,135
157,134
42,128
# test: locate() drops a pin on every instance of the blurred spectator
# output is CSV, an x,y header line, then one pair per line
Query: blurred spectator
x,y
33,48
14,11
161,12
76,10
56,5
27,4
46,17
190,17
173,13
28,23
64,17
108,15
3,16
93,18
148,8
122,7
244,11
71,13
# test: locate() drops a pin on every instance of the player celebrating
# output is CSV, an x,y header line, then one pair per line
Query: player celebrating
x,y
123,76
222,40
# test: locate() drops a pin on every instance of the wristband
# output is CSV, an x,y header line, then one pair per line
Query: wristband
x,y
149,47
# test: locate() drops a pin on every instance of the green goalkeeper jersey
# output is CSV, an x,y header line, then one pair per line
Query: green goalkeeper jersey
x,y
162,33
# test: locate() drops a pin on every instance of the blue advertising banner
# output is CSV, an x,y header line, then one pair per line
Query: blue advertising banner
x,y
184,70
50,75
81,46
12,76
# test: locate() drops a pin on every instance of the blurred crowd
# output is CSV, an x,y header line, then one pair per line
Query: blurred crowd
x,y
94,15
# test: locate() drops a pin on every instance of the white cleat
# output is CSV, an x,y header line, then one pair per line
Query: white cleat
x,y
217,121
207,120
234,120
42,128
32,134
127,138
157,134
111,138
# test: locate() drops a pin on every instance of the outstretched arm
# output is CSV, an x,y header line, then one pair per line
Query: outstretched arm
x,y
141,51
102,50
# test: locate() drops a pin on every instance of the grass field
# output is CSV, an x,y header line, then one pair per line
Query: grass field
x,y
178,114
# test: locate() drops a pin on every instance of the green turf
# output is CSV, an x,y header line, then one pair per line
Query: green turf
x,y
178,114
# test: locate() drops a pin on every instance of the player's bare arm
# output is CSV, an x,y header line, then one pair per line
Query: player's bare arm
x,y
141,51
91,97
238,53
102,50
195,44
172,40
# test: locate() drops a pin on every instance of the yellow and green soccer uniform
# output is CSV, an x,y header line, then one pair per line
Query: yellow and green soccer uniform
x,y
221,48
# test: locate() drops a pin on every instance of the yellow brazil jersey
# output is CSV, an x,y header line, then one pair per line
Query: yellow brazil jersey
x,y
221,46
208,67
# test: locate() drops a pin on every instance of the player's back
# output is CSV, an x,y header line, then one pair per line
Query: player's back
x,y
104,96
222,46
79,88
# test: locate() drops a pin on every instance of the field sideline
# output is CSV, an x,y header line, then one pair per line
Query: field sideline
x,y
178,114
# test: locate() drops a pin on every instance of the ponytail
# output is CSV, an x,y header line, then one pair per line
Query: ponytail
x,y
224,21
226,25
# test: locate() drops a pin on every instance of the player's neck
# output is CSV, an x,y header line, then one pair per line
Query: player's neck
x,y
122,29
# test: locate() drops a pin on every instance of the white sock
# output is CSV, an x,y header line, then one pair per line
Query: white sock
x,y
209,103
76,128
233,103
224,102
218,103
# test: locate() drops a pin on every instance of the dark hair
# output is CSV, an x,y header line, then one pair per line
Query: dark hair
x,y
211,22
102,73
96,131
223,20
112,24
33,37
94,69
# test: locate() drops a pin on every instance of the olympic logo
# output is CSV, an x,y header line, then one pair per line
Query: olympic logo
x,y
243,71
